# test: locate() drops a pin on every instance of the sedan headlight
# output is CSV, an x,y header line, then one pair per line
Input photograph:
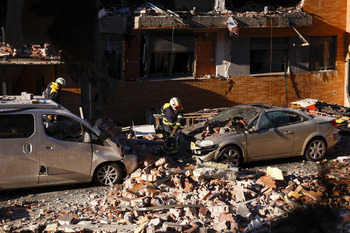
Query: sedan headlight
x,y
205,143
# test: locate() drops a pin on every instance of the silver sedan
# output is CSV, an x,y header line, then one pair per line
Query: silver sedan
x,y
252,132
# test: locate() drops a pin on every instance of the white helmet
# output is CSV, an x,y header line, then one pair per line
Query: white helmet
x,y
61,81
175,102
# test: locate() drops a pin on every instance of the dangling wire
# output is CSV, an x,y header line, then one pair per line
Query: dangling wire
x,y
270,58
172,40
271,46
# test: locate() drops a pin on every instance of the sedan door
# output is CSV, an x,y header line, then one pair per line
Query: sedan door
x,y
64,156
274,137
19,155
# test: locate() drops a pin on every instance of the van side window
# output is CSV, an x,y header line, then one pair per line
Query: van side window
x,y
16,126
63,128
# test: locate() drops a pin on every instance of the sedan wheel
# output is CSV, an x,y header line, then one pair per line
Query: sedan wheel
x,y
230,155
316,150
108,174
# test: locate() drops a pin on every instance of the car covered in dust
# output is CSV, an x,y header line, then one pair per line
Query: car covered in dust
x,y
42,143
252,132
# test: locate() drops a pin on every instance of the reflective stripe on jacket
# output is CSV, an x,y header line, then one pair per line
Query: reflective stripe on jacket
x,y
52,92
172,117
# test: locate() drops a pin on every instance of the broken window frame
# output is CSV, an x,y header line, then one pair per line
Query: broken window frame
x,y
163,59
323,52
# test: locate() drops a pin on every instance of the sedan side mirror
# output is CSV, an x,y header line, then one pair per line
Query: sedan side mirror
x,y
87,137
252,129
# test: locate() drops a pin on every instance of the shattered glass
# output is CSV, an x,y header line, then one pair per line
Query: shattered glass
x,y
244,112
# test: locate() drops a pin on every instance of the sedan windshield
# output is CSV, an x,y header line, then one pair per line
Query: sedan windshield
x,y
244,112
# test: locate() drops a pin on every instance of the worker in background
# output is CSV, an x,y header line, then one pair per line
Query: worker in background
x,y
53,89
172,120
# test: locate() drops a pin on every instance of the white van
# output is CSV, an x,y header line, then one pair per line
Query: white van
x,y
42,144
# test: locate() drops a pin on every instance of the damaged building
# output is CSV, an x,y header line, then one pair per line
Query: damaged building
x,y
219,53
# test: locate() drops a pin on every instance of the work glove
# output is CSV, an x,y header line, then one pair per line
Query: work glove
x,y
175,130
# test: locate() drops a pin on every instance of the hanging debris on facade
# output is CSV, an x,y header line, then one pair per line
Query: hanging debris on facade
x,y
29,52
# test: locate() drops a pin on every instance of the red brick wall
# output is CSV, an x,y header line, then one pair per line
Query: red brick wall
x,y
330,18
134,98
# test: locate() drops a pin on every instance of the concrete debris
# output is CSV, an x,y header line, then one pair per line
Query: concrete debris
x,y
275,173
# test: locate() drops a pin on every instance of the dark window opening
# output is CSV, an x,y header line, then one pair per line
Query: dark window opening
x,y
268,56
16,126
322,53
258,5
168,55
170,64
114,64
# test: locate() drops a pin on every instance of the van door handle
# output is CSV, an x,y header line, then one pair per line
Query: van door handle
x,y
27,148
288,132
49,147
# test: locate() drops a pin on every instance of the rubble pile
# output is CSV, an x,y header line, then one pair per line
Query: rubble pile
x,y
249,9
318,107
166,195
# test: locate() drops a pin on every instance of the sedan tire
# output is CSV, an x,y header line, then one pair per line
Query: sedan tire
x,y
315,149
108,174
230,155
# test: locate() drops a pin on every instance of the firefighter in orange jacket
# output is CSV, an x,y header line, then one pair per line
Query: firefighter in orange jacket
x,y
172,120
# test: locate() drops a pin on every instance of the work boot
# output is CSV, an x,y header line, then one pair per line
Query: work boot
x,y
160,152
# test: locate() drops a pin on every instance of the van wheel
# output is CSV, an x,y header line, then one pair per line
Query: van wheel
x,y
230,155
315,150
108,174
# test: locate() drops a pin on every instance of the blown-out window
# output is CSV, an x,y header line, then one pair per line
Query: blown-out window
x,y
268,55
16,125
169,55
322,53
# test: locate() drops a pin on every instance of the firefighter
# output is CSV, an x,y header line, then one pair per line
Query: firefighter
x,y
172,120
53,89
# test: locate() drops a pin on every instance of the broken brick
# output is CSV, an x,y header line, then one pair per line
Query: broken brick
x,y
316,195
268,181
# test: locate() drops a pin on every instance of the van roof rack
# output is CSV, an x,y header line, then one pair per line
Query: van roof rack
x,y
26,100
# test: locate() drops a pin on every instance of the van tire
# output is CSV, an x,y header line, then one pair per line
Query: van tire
x,y
108,174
